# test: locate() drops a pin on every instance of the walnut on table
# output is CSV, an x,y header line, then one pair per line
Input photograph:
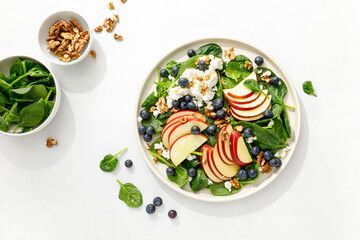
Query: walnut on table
x,y
51,142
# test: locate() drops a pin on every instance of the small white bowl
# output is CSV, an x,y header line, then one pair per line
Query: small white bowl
x,y
5,69
44,33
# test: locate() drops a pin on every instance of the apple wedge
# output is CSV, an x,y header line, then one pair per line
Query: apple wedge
x,y
247,119
254,104
240,91
245,100
185,145
212,166
224,169
181,129
253,112
186,113
239,151
205,164
173,122
223,145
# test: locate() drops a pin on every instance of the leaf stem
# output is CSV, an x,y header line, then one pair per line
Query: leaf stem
x,y
291,107
162,159
197,153
123,150
119,182
267,127
17,127
47,97
314,94
18,79
5,109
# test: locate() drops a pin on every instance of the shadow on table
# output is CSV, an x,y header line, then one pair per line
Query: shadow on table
x,y
262,199
85,75
31,152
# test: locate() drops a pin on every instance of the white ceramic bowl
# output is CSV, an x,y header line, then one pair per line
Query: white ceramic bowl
x,y
179,54
44,33
5,68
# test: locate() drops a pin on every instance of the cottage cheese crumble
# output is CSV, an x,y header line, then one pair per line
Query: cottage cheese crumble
x,y
165,153
228,185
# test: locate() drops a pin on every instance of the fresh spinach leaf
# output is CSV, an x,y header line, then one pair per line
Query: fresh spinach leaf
x,y
4,86
219,93
180,177
16,67
13,114
4,99
190,63
200,181
34,92
254,86
108,164
236,68
163,87
150,101
191,164
210,49
2,76
219,189
130,195
26,65
308,88
157,123
3,125
172,64
32,114
228,82
280,129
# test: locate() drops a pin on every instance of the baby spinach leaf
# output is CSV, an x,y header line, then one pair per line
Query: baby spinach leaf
x,y
150,101
13,114
130,195
3,125
2,76
228,82
219,93
108,164
308,88
236,68
254,86
34,92
32,114
16,67
4,99
4,86
25,66
210,49
163,87
180,177
280,129
200,181
190,63
250,180
191,164
157,123
233,71
219,189
172,64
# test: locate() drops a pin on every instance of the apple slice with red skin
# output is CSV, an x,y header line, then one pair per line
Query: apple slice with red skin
x,y
239,151
213,168
205,164
171,123
184,146
181,129
245,100
224,146
186,113
247,119
240,91
252,105
253,112
224,169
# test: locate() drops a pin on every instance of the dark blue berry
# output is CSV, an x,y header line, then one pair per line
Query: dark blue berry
x,y
174,71
142,129
192,172
128,163
157,201
191,53
218,103
268,113
275,80
267,155
191,106
259,60
147,137
150,130
211,129
172,214
195,130
221,113
248,132
202,65
188,98
176,104
183,82
150,208
170,171
144,114
164,73
252,173
273,162
255,150
279,163
242,174
183,105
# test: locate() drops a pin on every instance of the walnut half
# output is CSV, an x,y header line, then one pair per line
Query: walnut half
x,y
51,142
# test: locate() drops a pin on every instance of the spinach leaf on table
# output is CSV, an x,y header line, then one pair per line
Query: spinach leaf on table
x,y
210,49
32,114
308,88
108,164
200,181
180,177
130,195
150,101
236,68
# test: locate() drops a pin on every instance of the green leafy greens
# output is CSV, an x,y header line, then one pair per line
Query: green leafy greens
x,y
130,195
108,164
308,88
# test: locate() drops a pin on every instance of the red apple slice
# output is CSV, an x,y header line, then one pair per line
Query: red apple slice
x,y
254,104
185,145
205,164
240,91
253,112
239,151
187,113
172,122
224,169
181,129
212,166
247,119
245,100
224,146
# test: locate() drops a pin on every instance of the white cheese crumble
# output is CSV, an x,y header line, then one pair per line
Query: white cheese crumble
x,y
139,119
157,111
226,58
251,139
171,77
209,182
228,185
191,157
165,153
271,123
282,153
266,74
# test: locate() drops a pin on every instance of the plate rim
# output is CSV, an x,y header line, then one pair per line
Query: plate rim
x,y
235,196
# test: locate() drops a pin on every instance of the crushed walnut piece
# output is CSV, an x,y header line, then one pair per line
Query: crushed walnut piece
x,y
266,76
207,60
155,159
209,113
248,65
174,110
183,119
197,61
109,23
231,55
266,168
147,146
118,37
51,142
111,6
162,105
204,87
224,135
263,164
207,77
98,29
239,128
231,49
152,109
159,151
235,183
220,123
93,54
123,1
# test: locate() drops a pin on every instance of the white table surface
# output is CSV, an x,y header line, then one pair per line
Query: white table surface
x,y
60,193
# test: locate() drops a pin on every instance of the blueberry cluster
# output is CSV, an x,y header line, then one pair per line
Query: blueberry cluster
x,y
147,131
157,202
170,171
185,103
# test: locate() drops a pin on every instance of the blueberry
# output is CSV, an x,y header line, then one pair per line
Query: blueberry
x,y
170,171
267,155
176,104
142,129
188,98
192,172
273,162
242,174
211,129
259,60
150,130
191,53
147,137
164,73
248,132
128,163
157,201
268,113
144,114
172,214
183,82
195,130
191,106
202,65
255,150
150,208
252,173
279,163
218,103
221,113
183,105
174,71
275,80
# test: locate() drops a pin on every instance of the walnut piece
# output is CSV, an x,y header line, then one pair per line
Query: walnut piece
x,y
147,146
109,23
159,151
235,183
263,164
152,109
207,60
224,135
248,65
239,128
197,61
123,1
155,159
118,37
183,119
93,54
209,113
75,24
111,6
174,110
162,105
51,142
98,29
231,49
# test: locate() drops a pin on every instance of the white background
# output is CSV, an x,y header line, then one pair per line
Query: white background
x,y
60,193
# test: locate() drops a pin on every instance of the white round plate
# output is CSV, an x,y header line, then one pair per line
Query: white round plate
x,y
179,54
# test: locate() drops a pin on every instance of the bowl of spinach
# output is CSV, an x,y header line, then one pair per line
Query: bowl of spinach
x,y
29,96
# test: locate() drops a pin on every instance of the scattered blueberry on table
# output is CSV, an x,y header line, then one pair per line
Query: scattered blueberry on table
x,y
128,163
150,208
172,214
157,201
